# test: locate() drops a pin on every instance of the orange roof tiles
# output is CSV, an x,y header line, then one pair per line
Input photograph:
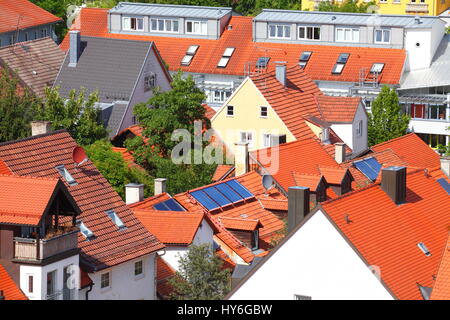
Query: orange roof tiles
x,y
221,171
441,288
209,112
274,204
24,14
23,200
386,234
39,155
93,22
310,181
412,150
333,175
338,109
239,224
227,262
171,228
4,168
163,273
127,157
10,290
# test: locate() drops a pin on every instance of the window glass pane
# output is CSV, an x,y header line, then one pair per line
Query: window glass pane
x,y
126,23
279,31
387,34
355,33
317,33
348,35
301,32
378,35
340,35
175,26
140,24
189,26
272,31
133,23
287,32
161,25
153,23
168,25
204,25
309,33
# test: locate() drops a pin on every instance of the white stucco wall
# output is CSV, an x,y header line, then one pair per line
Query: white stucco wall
x,y
39,274
123,283
419,56
317,262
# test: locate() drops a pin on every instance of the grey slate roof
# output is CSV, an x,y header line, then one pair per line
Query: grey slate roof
x,y
152,9
438,74
343,18
115,118
111,66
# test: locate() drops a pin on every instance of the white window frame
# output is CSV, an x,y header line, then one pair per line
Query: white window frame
x,y
266,137
352,32
219,96
277,26
383,33
232,111
261,111
306,33
165,25
127,27
203,27
248,137
139,275
109,280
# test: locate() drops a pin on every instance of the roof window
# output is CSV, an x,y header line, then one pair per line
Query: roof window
x,y
262,62
377,68
85,231
225,57
424,248
304,58
340,63
66,175
115,218
190,53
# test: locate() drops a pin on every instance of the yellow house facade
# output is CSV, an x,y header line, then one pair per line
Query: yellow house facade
x,y
247,117
412,7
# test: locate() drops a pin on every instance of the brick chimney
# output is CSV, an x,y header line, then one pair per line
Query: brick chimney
x,y
160,185
75,47
339,152
134,192
241,158
298,206
445,165
393,182
280,72
40,127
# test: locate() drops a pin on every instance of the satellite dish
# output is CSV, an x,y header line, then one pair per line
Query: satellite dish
x,y
267,181
79,156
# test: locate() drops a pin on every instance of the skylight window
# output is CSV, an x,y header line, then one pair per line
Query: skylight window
x,y
377,68
228,52
225,57
343,57
84,230
192,50
66,175
115,218
424,249
262,62
190,53
340,63
304,58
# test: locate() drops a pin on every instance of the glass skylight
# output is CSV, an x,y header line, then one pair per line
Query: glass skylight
x,y
66,175
192,50
186,60
305,56
343,57
424,249
85,230
223,62
115,218
262,62
377,68
337,69
228,52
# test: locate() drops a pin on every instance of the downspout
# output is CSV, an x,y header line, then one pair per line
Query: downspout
x,y
156,271
89,290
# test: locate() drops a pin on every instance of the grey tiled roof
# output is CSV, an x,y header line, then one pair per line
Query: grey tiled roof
x,y
152,9
111,66
115,118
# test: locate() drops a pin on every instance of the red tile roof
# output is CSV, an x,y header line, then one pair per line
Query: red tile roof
x,y
4,168
412,150
387,235
239,224
163,273
274,204
310,181
441,288
127,157
24,14
171,227
150,202
10,290
227,262
209,112
333,175
39,155
221,171
338,109
23,200
130,132
93,22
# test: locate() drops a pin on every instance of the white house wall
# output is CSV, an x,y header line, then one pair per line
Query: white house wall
x,y
316,262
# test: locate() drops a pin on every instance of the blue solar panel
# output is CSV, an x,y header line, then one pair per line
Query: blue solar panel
x,y
373,163
240,189
201,197
366,170
444,184
213,193
161,206
228,192
173,205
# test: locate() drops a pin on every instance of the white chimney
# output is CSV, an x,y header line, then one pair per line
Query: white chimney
x,y
134,192
74,50
445,165
160,186
40,127
339,152
280,73
241,158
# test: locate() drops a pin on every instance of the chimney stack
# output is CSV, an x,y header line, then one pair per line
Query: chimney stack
x,y
445,166
393,182
298,206
134,192
280,72
40,127
74,51
160,186
241,158
339,152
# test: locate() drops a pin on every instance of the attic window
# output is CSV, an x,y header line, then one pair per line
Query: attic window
x,y
343,57
424,249
66,175
84,230
115,218
340,63
262,62
377,68
304,58
225,57
190,53
337,69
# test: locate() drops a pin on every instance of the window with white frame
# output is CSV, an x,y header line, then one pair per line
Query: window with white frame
x,y
105,280
347,34
230,111
382,36
247,137
164,25
266,139
138,268
359,128
220,96
132,24
308,33
149,81
279,31
196,27
263,112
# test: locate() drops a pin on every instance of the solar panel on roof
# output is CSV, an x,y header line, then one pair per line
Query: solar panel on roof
x,y
205,201
369,167
444,184
169,205
161,206
218,197
373,163
229,193
240,189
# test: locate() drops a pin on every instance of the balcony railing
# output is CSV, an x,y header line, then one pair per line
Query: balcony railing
x,y
36,250
417,7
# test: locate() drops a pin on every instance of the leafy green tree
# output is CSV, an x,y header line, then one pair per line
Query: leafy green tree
x,y
347,6
76,114
201,276
16,108
386,119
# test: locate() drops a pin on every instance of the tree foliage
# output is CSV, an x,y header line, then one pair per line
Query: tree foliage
x,y
200,276
347,6
386,119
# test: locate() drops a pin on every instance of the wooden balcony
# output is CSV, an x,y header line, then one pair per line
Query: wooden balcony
x,y
417,7
26,249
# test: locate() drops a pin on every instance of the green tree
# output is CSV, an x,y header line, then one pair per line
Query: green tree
x,y
386,119
347,6
16,108
76,114
201,276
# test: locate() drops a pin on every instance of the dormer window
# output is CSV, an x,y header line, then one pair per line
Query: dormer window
x,y
347,34
66,175
255,240
164,25
190,53
383,36
262,62
279,31
196,27
308,33
115,219
132,24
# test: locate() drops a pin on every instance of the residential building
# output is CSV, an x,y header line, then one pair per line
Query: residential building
x,y
121,82
441,288
285,104
35,63
8,288
116,253
389,247
22,21
397,7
